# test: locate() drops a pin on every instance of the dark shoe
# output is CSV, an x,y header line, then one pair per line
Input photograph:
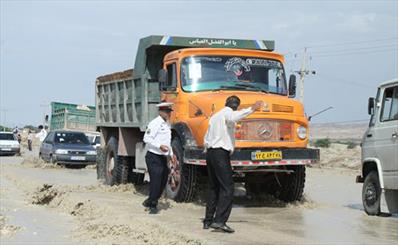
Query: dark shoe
x,y
222,227
206,225
146,203
153,210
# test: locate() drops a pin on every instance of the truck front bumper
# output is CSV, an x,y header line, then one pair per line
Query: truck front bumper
x,y
244,157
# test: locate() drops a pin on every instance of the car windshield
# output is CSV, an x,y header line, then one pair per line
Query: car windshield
x,y
199,73
71,138
7,137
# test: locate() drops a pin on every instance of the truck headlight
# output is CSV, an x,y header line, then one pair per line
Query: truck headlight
x,y
91,153
61,151
302,132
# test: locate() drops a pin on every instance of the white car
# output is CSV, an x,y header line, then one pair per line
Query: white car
x,y
380,152
9,144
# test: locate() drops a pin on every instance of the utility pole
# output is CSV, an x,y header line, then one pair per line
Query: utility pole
x,y
45,107
304,71
4,117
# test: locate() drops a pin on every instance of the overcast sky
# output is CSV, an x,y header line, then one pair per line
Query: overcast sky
x,y
53,51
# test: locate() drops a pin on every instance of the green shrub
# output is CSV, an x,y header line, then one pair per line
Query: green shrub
x,y
324,143
351,145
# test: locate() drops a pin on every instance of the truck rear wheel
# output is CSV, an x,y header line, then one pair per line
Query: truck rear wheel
x,y
115,172
100,160
291,185
182,181
371,193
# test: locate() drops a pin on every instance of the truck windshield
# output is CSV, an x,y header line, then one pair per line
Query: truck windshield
x,y
200,73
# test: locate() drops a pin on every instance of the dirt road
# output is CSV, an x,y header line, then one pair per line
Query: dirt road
x,y
41,204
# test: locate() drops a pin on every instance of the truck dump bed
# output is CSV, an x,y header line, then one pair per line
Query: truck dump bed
x,y
72,117
122,101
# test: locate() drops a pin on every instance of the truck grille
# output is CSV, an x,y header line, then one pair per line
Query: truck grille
x,y
264,130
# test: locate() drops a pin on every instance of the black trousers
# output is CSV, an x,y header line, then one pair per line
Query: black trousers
x,y
158,174
221,185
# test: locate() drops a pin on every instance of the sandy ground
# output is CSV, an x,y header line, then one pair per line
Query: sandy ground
x,y
43,204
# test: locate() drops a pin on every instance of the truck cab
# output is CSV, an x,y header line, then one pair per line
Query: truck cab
x,y
380,152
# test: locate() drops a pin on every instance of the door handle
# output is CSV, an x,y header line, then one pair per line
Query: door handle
x,y
369,135
395,135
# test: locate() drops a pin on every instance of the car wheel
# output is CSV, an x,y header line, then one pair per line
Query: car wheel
x,y
52,159
371,193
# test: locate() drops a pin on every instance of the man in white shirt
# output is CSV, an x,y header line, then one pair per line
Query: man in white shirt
x,y
158,143
219,144
42,134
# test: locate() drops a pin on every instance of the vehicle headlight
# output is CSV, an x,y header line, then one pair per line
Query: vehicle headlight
x,y
91,153
302,132
61,151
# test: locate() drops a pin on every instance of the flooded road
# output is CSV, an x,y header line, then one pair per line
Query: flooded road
x,y
75,208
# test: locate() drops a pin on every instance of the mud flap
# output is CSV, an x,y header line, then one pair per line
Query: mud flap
x,y
140,164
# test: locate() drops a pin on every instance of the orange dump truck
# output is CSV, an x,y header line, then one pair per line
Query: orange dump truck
x,y
197,75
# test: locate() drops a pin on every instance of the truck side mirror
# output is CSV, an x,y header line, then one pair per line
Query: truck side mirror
x,y
292,86
162,76
371,106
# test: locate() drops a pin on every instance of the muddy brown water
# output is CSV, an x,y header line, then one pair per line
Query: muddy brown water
x,y
89,213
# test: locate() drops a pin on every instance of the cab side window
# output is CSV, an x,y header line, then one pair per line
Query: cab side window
x,y
172,77
389,110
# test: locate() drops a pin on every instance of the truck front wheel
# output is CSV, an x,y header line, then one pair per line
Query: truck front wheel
x,y
371,193
181,184
291,185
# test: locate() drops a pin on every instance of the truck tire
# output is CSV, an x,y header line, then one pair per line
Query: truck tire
x,y
101,158
114,170
182,182
292,185
122,172
371,193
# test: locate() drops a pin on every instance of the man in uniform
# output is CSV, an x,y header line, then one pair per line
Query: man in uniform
x,y
158,142
219,143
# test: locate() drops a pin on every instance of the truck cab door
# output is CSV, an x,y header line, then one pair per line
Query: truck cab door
x,y
386,137
169,90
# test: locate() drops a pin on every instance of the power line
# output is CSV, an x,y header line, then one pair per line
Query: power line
x,y
292,52
345,82
354,53
355,49
351,43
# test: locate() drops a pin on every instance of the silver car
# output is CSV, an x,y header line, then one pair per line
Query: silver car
x,y
67,147
9,144
380,152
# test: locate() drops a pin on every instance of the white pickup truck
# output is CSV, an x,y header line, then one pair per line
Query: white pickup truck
x,y
380,152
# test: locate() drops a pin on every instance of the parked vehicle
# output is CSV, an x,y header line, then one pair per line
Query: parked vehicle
x,y
72,117
94,138
9,144
67,147
197,75
380,152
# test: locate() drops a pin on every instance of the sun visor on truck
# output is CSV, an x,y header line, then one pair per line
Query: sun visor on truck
x,y
154,48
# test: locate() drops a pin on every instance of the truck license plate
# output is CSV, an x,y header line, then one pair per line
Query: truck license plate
x,y
77,158
6,149
267,155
